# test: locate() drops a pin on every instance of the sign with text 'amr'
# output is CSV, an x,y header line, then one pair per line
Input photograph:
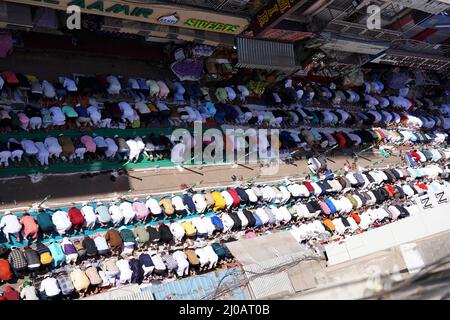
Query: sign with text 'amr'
x,y
183,17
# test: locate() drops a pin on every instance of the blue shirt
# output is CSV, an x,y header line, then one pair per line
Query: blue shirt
x,y
146,260
187,200
180,88
210,108
258,222
142,84
82,112
329,174
330,205
217,222
100,142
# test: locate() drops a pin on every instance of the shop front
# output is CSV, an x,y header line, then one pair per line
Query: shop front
x,y
188,22
184,17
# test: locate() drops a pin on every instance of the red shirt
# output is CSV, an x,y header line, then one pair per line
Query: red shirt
x,y
415,155
422,186
390,189
413,104
5,270
75,216
10,77
10,294
309,186
356,217
235,196
341,139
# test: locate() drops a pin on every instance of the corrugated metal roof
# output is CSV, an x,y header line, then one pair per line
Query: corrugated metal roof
x,y
144,295
117,293
265,54
221,285
273,284
268,261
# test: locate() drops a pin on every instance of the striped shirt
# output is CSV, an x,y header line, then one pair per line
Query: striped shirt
x,y
17,260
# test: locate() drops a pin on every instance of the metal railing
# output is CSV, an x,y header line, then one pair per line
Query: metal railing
x,y
421,47
341,26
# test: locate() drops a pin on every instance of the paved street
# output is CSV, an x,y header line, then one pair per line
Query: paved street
x,y
21,192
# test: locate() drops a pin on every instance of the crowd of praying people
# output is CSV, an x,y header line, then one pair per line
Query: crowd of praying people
x,y
299,109
73,252
72,103
188,232
88,148
158,147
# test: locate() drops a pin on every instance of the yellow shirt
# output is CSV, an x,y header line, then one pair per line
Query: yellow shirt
x,y
329,224
31,77
168,207
189,229
219,201
152,107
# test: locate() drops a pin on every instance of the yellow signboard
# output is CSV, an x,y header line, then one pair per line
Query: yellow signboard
x,y
183,17
270,13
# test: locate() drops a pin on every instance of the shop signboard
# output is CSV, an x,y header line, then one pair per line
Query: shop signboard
x,y
211,25
181,16
271,13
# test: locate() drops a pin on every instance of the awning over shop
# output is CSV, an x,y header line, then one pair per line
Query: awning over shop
x,y
265,54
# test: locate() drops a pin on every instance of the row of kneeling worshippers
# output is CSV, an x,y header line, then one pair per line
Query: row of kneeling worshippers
x,y
345,214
